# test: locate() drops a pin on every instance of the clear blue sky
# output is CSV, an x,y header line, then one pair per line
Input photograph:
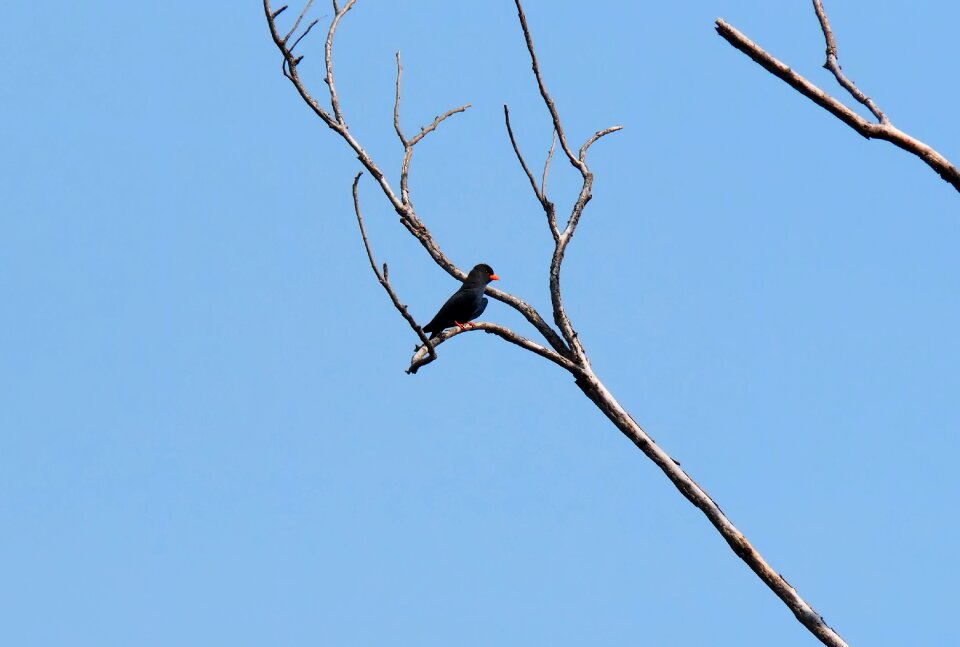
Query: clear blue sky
x,y
207,434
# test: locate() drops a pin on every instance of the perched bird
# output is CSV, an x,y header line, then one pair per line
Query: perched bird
x,y
466,304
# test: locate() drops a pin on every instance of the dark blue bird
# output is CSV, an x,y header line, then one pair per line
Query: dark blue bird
x,y
466,304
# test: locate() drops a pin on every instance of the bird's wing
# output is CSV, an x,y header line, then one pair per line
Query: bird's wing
x,y
479,310
451,310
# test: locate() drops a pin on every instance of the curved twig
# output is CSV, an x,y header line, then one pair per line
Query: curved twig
x,y
833,64
593,138
541,193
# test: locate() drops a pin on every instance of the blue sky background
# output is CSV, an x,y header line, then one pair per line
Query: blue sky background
x,y
207,434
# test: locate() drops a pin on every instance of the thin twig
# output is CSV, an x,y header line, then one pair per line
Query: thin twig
x,y
833,64
548,207
546,164
408,144
303,35
424,131
885,131
328,58
396,105
296,23
383,278
516,150
547,99
593,138
290,66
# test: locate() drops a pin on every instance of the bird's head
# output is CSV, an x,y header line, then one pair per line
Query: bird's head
x,y
481,275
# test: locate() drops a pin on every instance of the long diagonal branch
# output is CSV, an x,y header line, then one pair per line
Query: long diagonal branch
x,y
594,389
883,130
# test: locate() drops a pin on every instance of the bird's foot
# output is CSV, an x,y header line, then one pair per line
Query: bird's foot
x,y
463,326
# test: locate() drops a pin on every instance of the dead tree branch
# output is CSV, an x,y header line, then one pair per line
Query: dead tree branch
x,y
384,279
565,348
408,217
408,144
548,207
561,239
421,356
833,64
546,167
884,130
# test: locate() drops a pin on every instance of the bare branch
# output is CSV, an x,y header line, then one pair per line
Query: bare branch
x,y
593,138
579,162
328,58
516,150
885,131
408,144
546,165
290,65
273,16
424,131
546,95
606,402
396,105
548,207
384,277
421,356
296,23
302,36
833,64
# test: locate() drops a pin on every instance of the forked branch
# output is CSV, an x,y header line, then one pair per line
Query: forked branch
x,y
579,161
408,217
565,348
884,129
408,144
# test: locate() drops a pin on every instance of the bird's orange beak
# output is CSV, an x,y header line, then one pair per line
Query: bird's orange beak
x,y
494,277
